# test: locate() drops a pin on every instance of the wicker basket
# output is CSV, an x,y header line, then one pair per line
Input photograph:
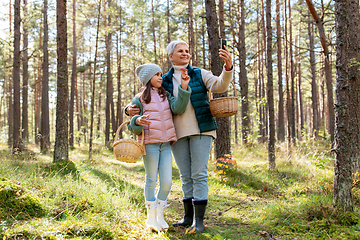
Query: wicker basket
x,y
224,106
127,150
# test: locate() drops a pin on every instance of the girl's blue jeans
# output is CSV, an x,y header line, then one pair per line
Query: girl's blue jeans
x,y
192,155
158,159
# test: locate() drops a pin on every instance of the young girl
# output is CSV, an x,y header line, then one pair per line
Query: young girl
x,y
155,119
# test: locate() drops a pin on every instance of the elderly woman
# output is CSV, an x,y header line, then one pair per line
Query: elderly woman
x,y
195,129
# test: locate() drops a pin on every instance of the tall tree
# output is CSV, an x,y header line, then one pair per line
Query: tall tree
x,y
327,66
73,78
25,61
354,79
45,128
93,83
270,91
10,90
153,30
300,104
281,122
243,75
119,115
292,80
191,30
222,143
16,78
61,151
344,145
314,88
109,84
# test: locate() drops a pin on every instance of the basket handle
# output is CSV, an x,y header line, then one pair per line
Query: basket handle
x,y
118,130
210,95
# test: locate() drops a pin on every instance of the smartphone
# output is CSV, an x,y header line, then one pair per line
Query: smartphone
x,y
222,43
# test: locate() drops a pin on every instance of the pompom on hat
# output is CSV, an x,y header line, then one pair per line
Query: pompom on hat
x,y
146,72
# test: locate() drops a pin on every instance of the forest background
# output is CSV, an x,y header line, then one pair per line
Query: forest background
x,y
64,86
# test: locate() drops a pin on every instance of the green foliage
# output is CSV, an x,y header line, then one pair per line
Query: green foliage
x,y
106,200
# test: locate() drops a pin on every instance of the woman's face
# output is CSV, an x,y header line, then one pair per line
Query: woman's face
x,y
181,55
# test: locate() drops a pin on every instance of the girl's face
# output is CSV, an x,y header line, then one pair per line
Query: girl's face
x,y
156,80
181,55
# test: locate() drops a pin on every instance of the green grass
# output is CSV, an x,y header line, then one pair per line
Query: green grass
x,y
103,198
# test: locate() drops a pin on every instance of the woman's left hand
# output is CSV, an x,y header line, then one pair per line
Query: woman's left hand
x,y
226,56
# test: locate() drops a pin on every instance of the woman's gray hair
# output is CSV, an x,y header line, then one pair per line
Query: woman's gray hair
x,y
171,46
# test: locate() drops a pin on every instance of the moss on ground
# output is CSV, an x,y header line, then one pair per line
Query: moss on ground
x,y
18,202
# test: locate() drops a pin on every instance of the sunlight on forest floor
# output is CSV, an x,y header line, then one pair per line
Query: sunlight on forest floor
x,y
103,198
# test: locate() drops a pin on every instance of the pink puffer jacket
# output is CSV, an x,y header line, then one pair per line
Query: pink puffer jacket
x,y
162,127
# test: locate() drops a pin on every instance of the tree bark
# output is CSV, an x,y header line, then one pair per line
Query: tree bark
x,y
119,117
108,84
270,91
300,105
243,75
73,79
25,86
314,89
16,79
93,84
153,30
292,81
344,144
191,30
10,90
328,78
281,120
61,151
354,77
45,128
222,143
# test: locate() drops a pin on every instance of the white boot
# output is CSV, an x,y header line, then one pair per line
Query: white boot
x,y
151,221
160,214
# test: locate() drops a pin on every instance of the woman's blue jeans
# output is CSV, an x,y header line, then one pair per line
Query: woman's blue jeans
x,y
158,159
192,155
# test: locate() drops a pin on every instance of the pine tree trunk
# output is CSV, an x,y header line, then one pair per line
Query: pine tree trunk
x,y
191,30
354,77
10,90
270,91
344,144
61,151
73,79
168,29
301,110
108,84
292,81
243,75
45,128
119,117
327,68
93,84
221,19
16,78
222,143
25,86
153,30
281,120
314,93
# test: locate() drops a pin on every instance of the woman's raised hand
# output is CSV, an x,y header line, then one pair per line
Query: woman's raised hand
x,y
185,78
226,56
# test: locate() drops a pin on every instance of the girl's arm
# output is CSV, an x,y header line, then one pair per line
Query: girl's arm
x,y
132,126
179,104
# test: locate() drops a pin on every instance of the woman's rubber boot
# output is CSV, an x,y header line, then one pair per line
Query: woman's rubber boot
x,y
198,222
189,214
161,205
151,221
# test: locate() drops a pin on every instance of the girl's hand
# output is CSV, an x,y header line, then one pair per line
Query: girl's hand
x,y
185,78
226,56
142,121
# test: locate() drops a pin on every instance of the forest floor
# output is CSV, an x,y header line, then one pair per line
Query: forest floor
x,y
103,198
